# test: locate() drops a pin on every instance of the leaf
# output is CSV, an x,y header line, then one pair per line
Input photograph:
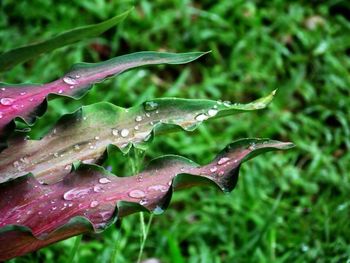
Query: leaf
x,y
28,101
85,135
34,215
19,55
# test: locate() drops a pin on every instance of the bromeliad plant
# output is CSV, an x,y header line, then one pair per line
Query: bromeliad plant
x,y
54,188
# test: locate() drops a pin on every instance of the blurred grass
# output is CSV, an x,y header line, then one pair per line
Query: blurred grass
x,y
287,207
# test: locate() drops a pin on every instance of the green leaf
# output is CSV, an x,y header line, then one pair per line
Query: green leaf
x,y
19,55
85,135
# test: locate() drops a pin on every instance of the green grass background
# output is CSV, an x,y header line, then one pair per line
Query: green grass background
x,y
288,207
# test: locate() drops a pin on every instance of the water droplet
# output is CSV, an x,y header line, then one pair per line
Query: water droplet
x,y
23,93
201,117
97,138
104,180
76,147
221,173
71,87
75,193
137,193
60,91
124,132
227,103
158,210
6,101
70,81
115,132
159,187
138,118
223,160
136,127
151,106
98,189
213,169
94,204
68,167
143,202
3,89
212,112
106,215
1,115
252,146
147,137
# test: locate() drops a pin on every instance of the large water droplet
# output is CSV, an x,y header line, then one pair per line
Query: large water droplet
x,y
124,132
151,106
94,204
137,193
104,180
223,160
70,81
7,101
201,117
138,118
75,193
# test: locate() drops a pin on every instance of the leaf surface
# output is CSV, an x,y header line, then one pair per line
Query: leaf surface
x,y
85,135
33,215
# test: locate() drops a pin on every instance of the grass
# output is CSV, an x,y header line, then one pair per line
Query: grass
x,y
287,207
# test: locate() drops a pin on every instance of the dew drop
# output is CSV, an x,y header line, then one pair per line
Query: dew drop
x,y
252,146
201,117
212,112
137,193
124,132
76,147
104,180
23,93
227,103
98,189
223,160
151,106
1,115
75,193
143,202
138,118
60,91
94,204
213,169
97,138
136,127
7,101
70,80
115,132
158,210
